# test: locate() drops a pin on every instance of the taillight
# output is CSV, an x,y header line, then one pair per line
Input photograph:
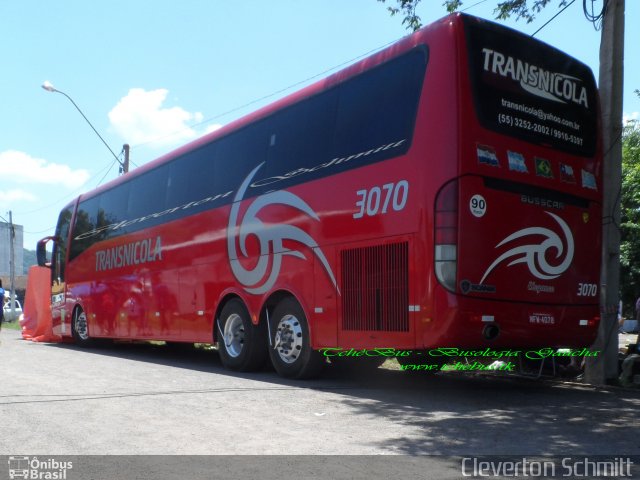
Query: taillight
x,y
446,235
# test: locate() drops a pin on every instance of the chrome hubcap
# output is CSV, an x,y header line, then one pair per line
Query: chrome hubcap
x,y
288,339
233,335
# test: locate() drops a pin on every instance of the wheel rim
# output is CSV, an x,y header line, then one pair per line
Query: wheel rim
x,y
288,339
233,335
81,326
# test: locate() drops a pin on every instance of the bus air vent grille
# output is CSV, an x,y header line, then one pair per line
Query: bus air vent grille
x,y
375,288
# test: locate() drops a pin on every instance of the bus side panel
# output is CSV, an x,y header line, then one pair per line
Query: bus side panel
x,y
435,159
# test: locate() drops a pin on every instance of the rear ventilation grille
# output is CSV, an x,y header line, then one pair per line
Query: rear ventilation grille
x,y
375,288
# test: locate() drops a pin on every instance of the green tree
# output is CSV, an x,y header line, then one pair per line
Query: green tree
x,y
630,218
521,9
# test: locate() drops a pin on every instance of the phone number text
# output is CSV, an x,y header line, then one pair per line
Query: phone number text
x,y
511,121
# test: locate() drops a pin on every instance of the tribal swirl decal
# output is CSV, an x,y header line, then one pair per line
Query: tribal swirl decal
x,y
257,280
534,255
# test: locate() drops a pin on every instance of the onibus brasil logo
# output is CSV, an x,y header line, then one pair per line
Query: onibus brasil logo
x,y
34,468
534,255
270,237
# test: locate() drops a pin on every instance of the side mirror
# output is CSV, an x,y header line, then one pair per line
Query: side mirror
x,y
41,252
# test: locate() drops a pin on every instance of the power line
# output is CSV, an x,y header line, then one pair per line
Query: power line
x,y
105,174
40,231
471,6
595,19
553,18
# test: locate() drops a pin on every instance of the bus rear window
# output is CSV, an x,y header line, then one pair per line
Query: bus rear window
x,y
529,90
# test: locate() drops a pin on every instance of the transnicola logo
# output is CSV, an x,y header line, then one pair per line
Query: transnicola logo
x,y
534,79
534,254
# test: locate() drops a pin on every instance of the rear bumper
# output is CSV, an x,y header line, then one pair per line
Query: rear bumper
x,y
466,322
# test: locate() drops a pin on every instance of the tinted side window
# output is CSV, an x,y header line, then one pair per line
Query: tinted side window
x,y
192,177
238,154
301,136
148,193
113,205
86,221
366,119
379,107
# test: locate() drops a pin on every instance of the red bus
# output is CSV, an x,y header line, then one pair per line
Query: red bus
x,y
444,192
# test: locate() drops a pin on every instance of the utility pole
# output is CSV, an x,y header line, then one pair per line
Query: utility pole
x,y
604,368
125,164
12,265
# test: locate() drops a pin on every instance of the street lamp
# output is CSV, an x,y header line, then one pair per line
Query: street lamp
x,y
124,166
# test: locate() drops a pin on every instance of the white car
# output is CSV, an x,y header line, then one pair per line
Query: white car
x,y
6,310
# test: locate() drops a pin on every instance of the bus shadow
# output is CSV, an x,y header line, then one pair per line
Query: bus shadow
x,y
466,414
448,413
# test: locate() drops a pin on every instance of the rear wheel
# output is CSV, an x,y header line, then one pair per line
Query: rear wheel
x,y
80,328
241,344
290,350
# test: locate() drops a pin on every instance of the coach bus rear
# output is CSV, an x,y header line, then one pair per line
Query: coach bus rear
x,y
518,231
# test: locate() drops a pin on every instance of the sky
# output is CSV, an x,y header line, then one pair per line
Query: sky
x,y
156,74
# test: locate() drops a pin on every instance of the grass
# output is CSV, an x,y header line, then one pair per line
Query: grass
x,y
11,325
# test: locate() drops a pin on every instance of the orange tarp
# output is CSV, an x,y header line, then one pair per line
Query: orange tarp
x,y
36,325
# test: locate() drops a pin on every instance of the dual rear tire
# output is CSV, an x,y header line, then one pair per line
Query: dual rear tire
x,y
240,343
244,346
290,342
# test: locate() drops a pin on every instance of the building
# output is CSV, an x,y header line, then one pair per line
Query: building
x,y
5,249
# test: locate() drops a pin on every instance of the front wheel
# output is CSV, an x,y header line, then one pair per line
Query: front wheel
x,y
290,345
80,329
241,344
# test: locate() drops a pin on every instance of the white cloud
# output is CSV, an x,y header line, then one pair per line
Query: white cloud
x,y
139,117
20,167
16,195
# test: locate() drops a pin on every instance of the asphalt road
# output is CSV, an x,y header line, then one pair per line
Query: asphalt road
x,y
148,400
